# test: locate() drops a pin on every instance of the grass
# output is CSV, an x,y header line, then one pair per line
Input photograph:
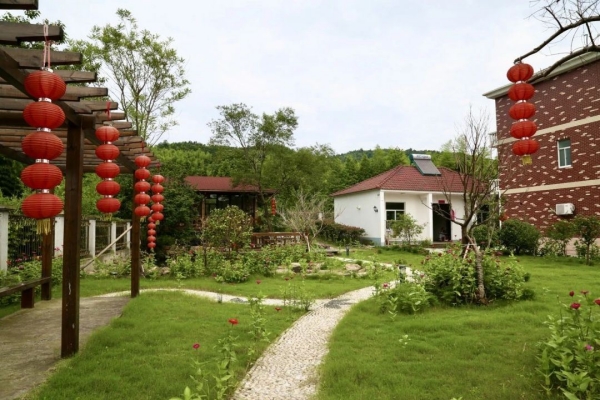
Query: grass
x,y
470,352
385,255
147,353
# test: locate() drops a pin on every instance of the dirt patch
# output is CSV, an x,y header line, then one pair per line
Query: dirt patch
x,y
30,340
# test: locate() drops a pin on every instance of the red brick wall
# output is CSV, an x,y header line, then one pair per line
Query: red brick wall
x,y
568,97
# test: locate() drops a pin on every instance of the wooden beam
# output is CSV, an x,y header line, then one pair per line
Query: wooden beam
x,y
69,76
18,4
13,33
16,155
33,58
72,239
73,93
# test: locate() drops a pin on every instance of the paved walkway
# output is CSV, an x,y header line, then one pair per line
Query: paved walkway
x,y
30,340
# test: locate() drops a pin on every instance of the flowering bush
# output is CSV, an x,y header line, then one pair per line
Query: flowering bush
x,y
453,279
570,357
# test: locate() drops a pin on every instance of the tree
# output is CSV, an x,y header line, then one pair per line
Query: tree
x,y
257,137
226,229
561,232
306,216
569,20
472,152
144,73
406,227
588,228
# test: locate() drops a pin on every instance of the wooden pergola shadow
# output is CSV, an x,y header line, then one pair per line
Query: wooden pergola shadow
x,y
78,135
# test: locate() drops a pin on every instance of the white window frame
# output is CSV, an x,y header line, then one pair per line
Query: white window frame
x,y
396,211
564,151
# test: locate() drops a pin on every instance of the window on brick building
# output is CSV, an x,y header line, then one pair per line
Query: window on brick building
x,y
564,153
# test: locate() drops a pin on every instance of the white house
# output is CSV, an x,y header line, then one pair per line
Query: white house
x,y
419,190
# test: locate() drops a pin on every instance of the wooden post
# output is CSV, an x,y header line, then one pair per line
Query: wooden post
x,y
70,287
135,252
47,256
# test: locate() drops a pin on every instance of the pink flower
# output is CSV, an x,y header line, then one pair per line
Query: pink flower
x,y
196,346
258,281
233,321
385,285
597,301
589,348
575,306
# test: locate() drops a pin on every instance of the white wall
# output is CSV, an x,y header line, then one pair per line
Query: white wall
x,y
356,209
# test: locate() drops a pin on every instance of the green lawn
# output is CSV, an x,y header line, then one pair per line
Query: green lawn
x,y
486,352
147,353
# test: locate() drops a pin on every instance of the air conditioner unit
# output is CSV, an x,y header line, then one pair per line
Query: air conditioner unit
x,y
565,209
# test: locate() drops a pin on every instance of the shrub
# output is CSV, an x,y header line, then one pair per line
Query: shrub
x,y
228,228
25,271
485,236
406,227
519,237
569,358
186,265
339,233
409,298
559,235
232,272
588,229
453,280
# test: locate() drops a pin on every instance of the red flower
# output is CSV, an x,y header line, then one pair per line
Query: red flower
x,y
575,306
258,281
233,321
597,301
196,346
584,292
277,309
571,293
385,285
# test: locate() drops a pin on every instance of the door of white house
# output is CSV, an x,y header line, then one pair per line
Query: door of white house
x,y
442,226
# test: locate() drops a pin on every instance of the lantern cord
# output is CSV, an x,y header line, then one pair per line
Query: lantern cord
x,y
46,53
108,111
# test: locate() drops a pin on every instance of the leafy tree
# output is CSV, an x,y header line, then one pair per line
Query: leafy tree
x,y
588,228
406,227
226,229
561,232
144,71
519,236
257,137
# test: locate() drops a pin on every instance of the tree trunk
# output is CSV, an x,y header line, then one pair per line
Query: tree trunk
x,y
479,270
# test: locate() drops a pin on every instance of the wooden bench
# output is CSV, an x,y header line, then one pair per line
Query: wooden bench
x,y
27,290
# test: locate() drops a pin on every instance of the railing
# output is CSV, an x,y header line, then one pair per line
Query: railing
x,y
84,243
102,235
23,241
275,238
122,242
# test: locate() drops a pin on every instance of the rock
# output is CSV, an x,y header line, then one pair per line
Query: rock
x,y
165,271
353,267
296,268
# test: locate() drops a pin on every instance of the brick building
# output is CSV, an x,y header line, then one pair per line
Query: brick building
x,y
564,178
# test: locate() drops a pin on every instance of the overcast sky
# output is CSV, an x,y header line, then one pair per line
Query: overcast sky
x,y
358,73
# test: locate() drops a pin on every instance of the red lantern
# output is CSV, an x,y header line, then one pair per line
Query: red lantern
x,y
525,148
43,114
158,179
45,84
151,239
142,173
157,207
142,161
141,186
41,205
41,176
273,206
141,198
108,205
42,145
142,211
107,170
107,152
522,110
158,216
521,91
520,72
151,245
108,188
107,133
503,217
151,225
151,232
523,129
157,188
158,198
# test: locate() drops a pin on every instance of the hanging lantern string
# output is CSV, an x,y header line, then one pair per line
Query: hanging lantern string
x,y
108,113
46,53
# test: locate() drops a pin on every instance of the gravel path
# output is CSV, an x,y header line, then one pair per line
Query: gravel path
x,y
288,368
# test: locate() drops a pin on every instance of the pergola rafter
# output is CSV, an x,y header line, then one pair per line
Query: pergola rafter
x,y
78,135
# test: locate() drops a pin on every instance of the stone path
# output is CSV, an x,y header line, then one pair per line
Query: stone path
x,y
30,340
288,368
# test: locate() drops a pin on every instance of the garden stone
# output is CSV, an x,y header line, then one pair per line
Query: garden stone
x,y
165,271
353,267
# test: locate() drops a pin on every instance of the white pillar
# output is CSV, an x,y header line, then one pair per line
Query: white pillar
x,y
3,239
430,218
113,236
382,217
92,237
59,234
128,236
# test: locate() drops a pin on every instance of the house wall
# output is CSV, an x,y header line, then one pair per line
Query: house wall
x,y
567,107
356,209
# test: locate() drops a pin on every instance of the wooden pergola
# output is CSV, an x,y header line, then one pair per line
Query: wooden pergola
x,y
78,134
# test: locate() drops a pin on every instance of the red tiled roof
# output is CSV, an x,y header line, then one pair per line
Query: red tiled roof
x,y
220,184
409,178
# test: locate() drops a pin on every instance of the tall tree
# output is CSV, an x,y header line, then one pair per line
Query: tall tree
x,y
143,72
257,137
